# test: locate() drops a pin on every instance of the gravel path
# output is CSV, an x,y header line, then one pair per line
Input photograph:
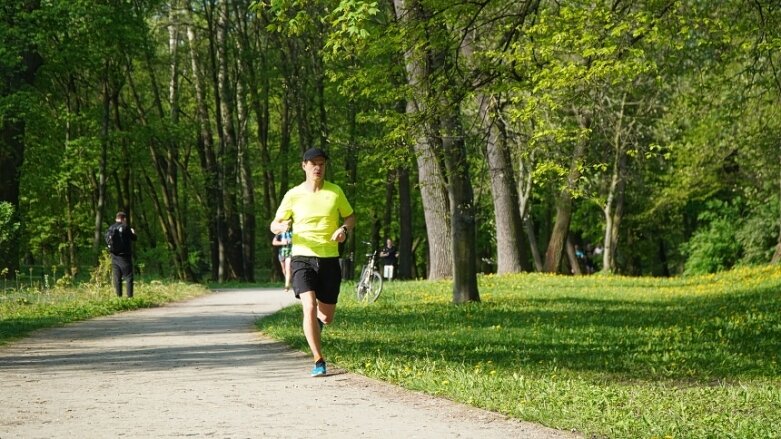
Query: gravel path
x,y
199,369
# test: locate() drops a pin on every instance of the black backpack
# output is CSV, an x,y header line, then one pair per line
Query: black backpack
x,y
118,239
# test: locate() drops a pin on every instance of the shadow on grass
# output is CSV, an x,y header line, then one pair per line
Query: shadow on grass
x,y
708,338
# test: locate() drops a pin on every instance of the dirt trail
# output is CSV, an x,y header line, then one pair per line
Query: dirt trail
x,y
199,369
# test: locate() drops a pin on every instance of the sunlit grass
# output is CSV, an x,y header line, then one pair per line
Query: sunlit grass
x,y
25,310
609,356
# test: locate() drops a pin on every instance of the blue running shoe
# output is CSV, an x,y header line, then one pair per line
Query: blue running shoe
x,y
319,369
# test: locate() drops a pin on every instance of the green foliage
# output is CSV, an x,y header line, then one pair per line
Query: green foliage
x,y
758,233
714,246
8,227
730,234
687,90
607,356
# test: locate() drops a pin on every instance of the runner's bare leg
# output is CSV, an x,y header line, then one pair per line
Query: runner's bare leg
x,y
311,327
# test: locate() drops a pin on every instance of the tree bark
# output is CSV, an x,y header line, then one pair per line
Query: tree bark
x,y
509,230
70,133
462,211
259,102
247,217
524,207
430,178
614,205
572,257
390,192
406,256
101,189
563,214
205,149
776,259
351,168
228,156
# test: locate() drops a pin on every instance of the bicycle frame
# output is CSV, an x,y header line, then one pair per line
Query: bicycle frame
x,y
370,283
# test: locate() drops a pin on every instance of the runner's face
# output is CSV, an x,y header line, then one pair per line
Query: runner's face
x,y
315,169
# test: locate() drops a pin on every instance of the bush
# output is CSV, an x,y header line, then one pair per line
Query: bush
x,y
758,234
714,246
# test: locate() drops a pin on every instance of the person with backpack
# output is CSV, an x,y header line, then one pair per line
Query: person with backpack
x,y
119,238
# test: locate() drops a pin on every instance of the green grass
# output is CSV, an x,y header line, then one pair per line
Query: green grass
x,y
25,310
607,356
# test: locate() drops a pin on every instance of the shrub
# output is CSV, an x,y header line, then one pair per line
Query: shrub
x,y
714,246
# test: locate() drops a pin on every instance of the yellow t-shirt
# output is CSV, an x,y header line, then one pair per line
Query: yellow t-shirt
x,y
315,218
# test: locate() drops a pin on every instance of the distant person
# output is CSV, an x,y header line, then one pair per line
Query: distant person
x,y
315,206
119,238
388,257
284,241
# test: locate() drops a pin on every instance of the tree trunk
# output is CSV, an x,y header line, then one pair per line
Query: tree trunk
x,y
509,242
206,152
524,206
228,156
572,257
563,214
351,168
390,192
462,211
247,217
165,152
125,180
430,178
101,189
259,102
406,257
777,254
614,205
246,187
72,262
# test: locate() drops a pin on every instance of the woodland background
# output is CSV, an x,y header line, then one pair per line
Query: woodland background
x,y
482,135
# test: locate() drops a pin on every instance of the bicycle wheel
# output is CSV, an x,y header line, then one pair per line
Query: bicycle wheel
x,y
362,286
374,286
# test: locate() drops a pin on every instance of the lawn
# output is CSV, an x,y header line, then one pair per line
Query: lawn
x,y
606,356
27,309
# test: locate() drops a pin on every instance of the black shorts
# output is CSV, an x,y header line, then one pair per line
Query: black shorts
x,y
321,275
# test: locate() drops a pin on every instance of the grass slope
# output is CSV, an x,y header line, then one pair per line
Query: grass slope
x,y
23,311
606,356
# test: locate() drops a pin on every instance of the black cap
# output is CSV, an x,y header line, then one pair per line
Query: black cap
x,y
313,153
120,214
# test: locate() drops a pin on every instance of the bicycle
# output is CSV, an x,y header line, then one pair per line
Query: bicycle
x,y
369,284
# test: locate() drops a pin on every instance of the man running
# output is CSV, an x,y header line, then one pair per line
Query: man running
x,y
315,206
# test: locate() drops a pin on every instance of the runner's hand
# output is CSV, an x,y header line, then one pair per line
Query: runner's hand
x,y
339,235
